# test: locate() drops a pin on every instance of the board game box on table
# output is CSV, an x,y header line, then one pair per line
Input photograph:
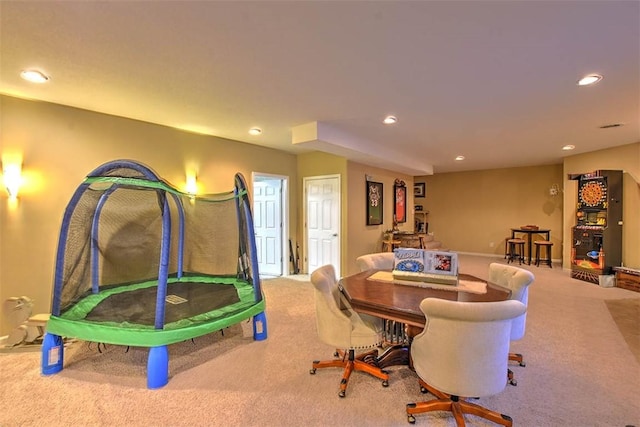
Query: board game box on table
x,y
422,265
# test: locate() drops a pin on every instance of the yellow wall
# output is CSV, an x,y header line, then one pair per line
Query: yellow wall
x,y
321,164
469,211
358,238
362,238
474,211
627,159
61,145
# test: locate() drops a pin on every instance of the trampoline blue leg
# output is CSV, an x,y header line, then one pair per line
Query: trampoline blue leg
x,y
260,327
52,354
158,367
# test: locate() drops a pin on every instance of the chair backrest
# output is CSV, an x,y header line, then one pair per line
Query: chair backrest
x,y
376,261
464,347
518,281
333,324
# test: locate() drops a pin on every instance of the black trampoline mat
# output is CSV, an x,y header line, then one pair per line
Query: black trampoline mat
x,y
139,306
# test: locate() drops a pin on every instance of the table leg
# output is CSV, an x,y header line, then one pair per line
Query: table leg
x,y
394,355
399,354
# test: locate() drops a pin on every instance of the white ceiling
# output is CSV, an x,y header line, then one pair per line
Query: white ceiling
x,y
493,81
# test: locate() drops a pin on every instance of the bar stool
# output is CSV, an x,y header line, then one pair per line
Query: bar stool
x,y
515,249
548,246
506,247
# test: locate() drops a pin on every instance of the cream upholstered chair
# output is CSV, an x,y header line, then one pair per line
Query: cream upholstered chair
x,y
463,351
341,327
517,280
376,261
394,332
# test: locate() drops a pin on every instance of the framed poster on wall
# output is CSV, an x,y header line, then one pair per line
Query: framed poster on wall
x,y
419,189
400,202
374,203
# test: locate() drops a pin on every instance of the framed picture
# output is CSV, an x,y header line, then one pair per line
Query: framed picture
x,y
374,203
400,203
419,189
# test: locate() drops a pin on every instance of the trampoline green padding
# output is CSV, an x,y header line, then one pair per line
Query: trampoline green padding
x,y
140,263
123,314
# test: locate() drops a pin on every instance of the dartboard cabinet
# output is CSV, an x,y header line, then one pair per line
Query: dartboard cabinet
x,y
597,236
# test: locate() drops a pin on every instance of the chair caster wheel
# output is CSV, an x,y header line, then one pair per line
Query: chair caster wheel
x,y
385,383
411,419
523,364
312,371
342,393
513,382
336,354
423,390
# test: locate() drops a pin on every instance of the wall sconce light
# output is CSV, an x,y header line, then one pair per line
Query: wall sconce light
x,y
191,185
12,174
554,190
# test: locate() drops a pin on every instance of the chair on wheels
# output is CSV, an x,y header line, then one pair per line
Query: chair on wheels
x,y
394,332
376,261
463,351
341,327
517,280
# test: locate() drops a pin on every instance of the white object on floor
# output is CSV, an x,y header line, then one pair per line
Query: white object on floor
x,y
28,329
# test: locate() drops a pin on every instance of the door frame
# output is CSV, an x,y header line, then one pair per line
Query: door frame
x,y
305,230
284,214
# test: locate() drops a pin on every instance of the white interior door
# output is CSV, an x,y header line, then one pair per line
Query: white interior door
x,y
268,224
322,222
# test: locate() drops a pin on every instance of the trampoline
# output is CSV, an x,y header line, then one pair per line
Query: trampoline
x,y
140,263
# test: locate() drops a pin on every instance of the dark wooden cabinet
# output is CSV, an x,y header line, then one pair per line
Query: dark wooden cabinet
x,y
628,278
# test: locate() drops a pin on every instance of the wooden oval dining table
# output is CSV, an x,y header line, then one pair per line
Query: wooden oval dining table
x,y
401,303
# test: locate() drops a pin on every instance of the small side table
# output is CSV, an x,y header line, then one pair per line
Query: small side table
x,y
389,245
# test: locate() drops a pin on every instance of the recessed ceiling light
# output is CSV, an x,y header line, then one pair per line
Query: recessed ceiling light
x,y
459,158
34,76
589,80
255,131
568,147
390,120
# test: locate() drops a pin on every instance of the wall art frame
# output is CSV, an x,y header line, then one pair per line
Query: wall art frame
x,y
420,189
374,203
399,202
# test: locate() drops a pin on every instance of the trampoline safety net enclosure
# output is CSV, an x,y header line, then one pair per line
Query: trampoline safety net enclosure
x,y
140,263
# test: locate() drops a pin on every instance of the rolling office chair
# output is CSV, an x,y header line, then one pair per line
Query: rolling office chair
x,y
341,327
394,332
376,261
463,351
517,280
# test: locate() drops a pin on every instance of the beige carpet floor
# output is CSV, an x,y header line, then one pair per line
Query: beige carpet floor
x,y
626,314
580,371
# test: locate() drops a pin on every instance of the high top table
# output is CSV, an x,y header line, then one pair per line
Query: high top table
x,y
529,233
401,303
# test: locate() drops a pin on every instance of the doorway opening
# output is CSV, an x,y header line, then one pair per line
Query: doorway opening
x,y
271,223
322,222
